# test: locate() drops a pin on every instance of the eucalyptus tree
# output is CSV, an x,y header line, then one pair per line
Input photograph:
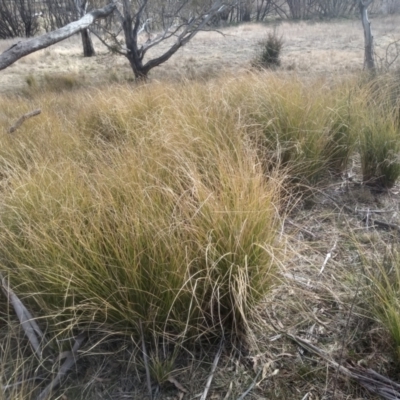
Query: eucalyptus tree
x,y
368,38
23,48
59,13
172,23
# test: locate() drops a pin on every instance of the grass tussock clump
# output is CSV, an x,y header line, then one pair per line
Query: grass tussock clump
x,y
170,220
379,131
305,128
269,52
382,290
157,206
53,83
379,149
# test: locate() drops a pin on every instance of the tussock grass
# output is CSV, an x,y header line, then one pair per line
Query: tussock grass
x,y
269,52
306,128
54,82
167,219
379,149
382,273
160,204
379,131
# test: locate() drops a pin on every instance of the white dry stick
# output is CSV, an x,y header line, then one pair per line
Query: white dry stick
x,y
29,325
228,393
213,368
328,256
251,386
22,119
367,219
374,211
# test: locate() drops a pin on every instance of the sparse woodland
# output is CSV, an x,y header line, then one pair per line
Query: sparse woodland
x,y
207,207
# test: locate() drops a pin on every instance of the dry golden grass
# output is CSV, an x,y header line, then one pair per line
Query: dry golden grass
x,y
173,176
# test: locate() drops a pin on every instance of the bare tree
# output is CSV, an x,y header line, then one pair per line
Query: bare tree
x,y
18,18
334,8
264,8
178,21
368,38
23,48
300,9
392,6
88,48
61,12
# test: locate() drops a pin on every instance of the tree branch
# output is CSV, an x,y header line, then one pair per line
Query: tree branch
x,y
185,36
117,46
22,49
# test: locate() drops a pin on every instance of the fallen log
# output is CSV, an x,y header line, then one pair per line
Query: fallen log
x,y
23,48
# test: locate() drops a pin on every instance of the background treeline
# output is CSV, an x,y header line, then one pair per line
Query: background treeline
x,y
25,18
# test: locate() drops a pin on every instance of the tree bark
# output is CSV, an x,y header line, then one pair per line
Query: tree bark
x,y
22,49
87,43
368,38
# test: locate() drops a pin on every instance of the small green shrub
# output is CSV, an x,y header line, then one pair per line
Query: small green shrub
x,y
31,81
269,51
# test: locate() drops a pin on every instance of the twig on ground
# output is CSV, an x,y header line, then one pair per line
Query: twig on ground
x,y
146,361
328,256
68,364
367,220
385,225
300,280
28,323
367,378
229,392
177,384
371,221
373,211
22,119
213,368
301,229
345,334
13,385
250,387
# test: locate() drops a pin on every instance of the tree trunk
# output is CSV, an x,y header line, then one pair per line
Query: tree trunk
x,y
22,49
368,38
88,48
137,66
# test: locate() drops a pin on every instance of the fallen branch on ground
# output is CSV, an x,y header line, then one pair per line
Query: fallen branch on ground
x,y
213,368
28,323
72,357
366,377
22,119
23,48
